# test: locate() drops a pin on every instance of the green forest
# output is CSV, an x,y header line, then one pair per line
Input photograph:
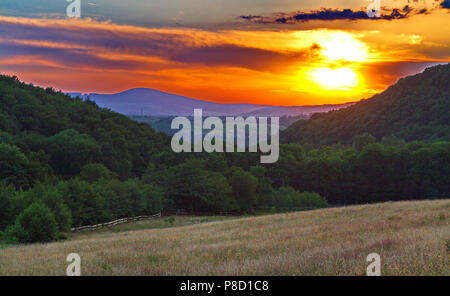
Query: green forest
x,y
65,162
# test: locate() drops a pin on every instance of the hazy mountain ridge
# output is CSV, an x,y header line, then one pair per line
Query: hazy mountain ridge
x,y
151,102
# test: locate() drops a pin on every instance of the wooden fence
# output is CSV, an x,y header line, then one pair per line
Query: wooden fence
x,y
180,212
115,222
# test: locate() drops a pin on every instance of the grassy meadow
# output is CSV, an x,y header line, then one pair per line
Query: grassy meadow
x,y
412,238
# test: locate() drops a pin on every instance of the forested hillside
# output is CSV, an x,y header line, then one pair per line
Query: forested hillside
x,y
415,108
71,133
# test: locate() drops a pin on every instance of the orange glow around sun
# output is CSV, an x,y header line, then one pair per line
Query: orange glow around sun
x,y
332,79
344,46
339,48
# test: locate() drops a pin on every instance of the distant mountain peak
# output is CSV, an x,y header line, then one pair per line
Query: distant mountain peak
x,y
152,102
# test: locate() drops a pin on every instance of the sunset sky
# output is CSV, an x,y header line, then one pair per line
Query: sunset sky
x,y
274,52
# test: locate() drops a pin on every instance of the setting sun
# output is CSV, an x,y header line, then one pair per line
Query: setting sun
x,y
335,79
343,46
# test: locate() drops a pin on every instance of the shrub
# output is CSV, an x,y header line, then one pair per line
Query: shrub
x,y
53,199
287,197
35,224
313,200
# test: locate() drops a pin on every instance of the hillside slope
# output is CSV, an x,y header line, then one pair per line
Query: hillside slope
x,y
62,134
415,108
412,238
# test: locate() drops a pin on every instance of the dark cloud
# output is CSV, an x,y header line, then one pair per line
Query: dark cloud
x,y
68,57
147,43
87,46
326,14
250,17
329,14
244,57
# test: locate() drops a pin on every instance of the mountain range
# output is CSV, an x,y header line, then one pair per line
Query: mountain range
x,y
151,102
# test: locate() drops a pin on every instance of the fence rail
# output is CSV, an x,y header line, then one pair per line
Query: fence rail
x,y
115,222
181,212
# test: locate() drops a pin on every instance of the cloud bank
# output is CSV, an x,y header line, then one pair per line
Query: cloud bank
x,y
108,46
329,14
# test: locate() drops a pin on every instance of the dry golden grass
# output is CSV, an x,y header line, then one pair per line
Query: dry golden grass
x,y
413,238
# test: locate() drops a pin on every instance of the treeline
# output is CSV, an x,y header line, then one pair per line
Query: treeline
x,y
366,172
44,211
